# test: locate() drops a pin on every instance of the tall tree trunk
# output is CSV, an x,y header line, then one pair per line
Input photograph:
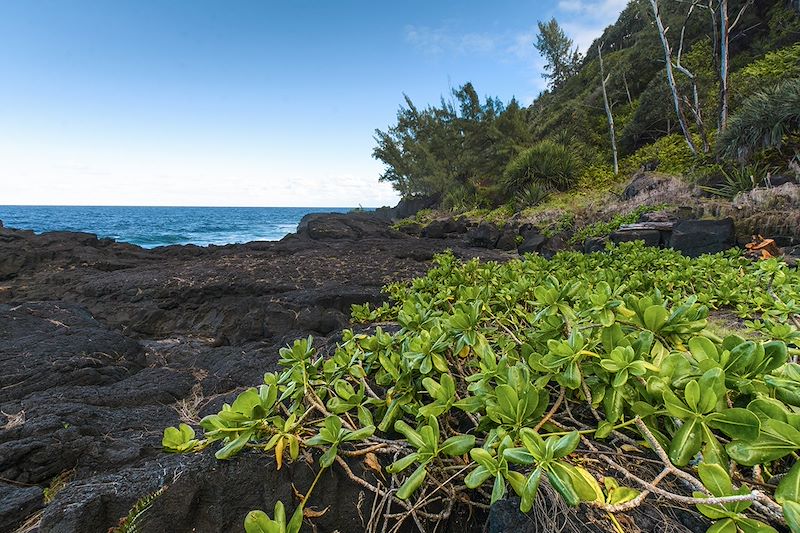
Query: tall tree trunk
x,y
695,106
603,81
725,28
676,99
627,91
724,62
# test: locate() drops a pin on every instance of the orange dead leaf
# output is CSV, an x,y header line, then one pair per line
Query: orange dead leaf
x,y
371,460
311,513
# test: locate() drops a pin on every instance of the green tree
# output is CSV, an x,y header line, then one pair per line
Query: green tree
x,y
563,61
458,149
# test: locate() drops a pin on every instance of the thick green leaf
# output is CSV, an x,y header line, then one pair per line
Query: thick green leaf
x,y
477,477
692,395
750,525
470,404
791,512
359,434
296,522
327,458
736,423
483,458
413,482
414,438
402,463
619,495
686,443
723,526
458,445
776,440
533,443
566,444
517,481
675,407
234,446
789,487
585,485
702,349
498,489
655,317
561,480
530,490
715,479
519,456
259,522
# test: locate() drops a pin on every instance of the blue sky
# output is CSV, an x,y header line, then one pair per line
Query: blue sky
x,y
242,102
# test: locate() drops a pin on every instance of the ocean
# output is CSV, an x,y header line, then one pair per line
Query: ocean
x,y
160,226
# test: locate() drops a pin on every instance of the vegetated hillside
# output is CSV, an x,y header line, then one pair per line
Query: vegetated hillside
x,y
484,153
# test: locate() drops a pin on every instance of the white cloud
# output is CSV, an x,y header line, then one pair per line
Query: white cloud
x,y
56,178
582,34
585,20
600,9
435,41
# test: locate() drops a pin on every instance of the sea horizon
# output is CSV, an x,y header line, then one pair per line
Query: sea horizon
x,y
154,226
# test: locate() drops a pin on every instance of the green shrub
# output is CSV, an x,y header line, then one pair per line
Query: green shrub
x,y
496,373
773,68
767,119
424,216
593,176
671,152
547,164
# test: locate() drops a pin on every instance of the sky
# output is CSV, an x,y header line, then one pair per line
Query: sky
x,y
243,103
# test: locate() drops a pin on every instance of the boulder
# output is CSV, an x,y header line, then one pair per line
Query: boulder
x,y
485,235
445,227
508,239
697,237
781,179
437,229
333,226
407,207
532,243
594,244
555,244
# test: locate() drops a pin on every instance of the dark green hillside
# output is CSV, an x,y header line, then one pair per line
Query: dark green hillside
x,y
464,148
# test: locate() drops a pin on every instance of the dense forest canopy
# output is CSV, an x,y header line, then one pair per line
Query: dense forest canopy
x,y
481,152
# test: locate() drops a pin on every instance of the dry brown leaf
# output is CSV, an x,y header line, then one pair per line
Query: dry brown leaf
x,y
371,460
308,512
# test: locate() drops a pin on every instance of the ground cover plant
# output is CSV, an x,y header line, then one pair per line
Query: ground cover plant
x,y
592,379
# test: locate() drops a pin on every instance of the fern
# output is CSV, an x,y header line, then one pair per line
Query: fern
x,y
133,521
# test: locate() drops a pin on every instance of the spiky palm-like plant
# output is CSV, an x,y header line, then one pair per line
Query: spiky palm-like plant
x,y
768,119
547,164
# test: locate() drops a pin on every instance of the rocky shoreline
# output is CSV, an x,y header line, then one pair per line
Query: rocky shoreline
x,y
105,344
